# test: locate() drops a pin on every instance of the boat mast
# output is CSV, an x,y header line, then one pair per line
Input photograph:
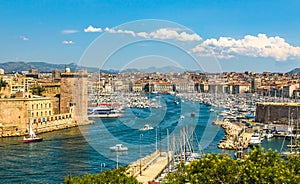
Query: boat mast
x,y
168,148
156,139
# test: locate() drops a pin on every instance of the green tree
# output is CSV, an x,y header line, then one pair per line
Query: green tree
x,y
256,167
2,83
111,176
36,90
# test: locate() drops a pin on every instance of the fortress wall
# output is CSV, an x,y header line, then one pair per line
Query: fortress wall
x,y
277,113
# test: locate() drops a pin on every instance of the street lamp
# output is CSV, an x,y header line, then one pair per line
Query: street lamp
x,y
102,165
141,135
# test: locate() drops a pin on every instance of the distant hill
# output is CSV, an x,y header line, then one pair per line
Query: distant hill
x,y
294,71
10,67
20,66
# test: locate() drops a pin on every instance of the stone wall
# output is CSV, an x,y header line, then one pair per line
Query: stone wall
x,y
277,113
50,123
74,92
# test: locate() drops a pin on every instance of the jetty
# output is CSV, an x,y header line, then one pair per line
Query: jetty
x,y
150,167
234,134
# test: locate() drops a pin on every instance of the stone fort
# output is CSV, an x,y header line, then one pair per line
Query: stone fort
x,y
46,114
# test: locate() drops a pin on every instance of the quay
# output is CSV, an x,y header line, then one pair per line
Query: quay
x,y
233,131
235,135
147,169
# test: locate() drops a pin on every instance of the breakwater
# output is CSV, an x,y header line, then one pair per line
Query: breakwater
x,y
235,135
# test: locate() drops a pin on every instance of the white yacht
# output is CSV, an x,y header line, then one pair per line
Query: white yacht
x,y
118,147
104,112
255,140
147,127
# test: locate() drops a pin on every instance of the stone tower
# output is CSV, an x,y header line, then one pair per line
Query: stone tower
x,y
73,97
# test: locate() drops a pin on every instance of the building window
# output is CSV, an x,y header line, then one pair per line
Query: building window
x,y
50,113
37,113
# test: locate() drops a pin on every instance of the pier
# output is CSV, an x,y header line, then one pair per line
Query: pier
x,y
148,168
234,133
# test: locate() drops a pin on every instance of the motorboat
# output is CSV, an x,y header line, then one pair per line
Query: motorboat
x,y
211,110
32,137
118,147
104,112
269,135
255,140
182,117
147,127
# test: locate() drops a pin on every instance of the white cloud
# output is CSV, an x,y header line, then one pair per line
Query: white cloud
x,y
69,31
252,46
92,29
120,31
68,42
163,34
24,38
167,33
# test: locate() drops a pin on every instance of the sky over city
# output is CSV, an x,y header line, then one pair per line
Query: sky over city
x,y
233,35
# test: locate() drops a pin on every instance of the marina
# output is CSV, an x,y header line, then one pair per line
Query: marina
x,y
83,149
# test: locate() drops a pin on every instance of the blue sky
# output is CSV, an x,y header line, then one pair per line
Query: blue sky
x,y
238,35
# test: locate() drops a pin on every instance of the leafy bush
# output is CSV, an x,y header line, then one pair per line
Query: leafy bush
x,y
257,167
111,176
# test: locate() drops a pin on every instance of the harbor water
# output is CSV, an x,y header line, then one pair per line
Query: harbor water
x,y
83,150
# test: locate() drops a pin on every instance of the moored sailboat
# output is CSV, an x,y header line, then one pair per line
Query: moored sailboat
x,y
32,137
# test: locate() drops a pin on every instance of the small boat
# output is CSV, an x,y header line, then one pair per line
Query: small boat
x,y
255,140
32,138
182,117
147,127
193,114
118,147
269,135
292,146
211,110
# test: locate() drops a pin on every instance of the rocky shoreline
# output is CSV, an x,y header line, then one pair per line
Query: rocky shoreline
x,y
235,137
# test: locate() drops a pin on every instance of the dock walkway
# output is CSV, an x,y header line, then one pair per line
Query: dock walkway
x,y
152,166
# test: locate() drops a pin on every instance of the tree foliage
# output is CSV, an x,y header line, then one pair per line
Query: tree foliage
x,y
36,90
256,167
111,176
2,83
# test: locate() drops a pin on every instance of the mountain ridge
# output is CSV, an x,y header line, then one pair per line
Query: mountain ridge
x,y
19,66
